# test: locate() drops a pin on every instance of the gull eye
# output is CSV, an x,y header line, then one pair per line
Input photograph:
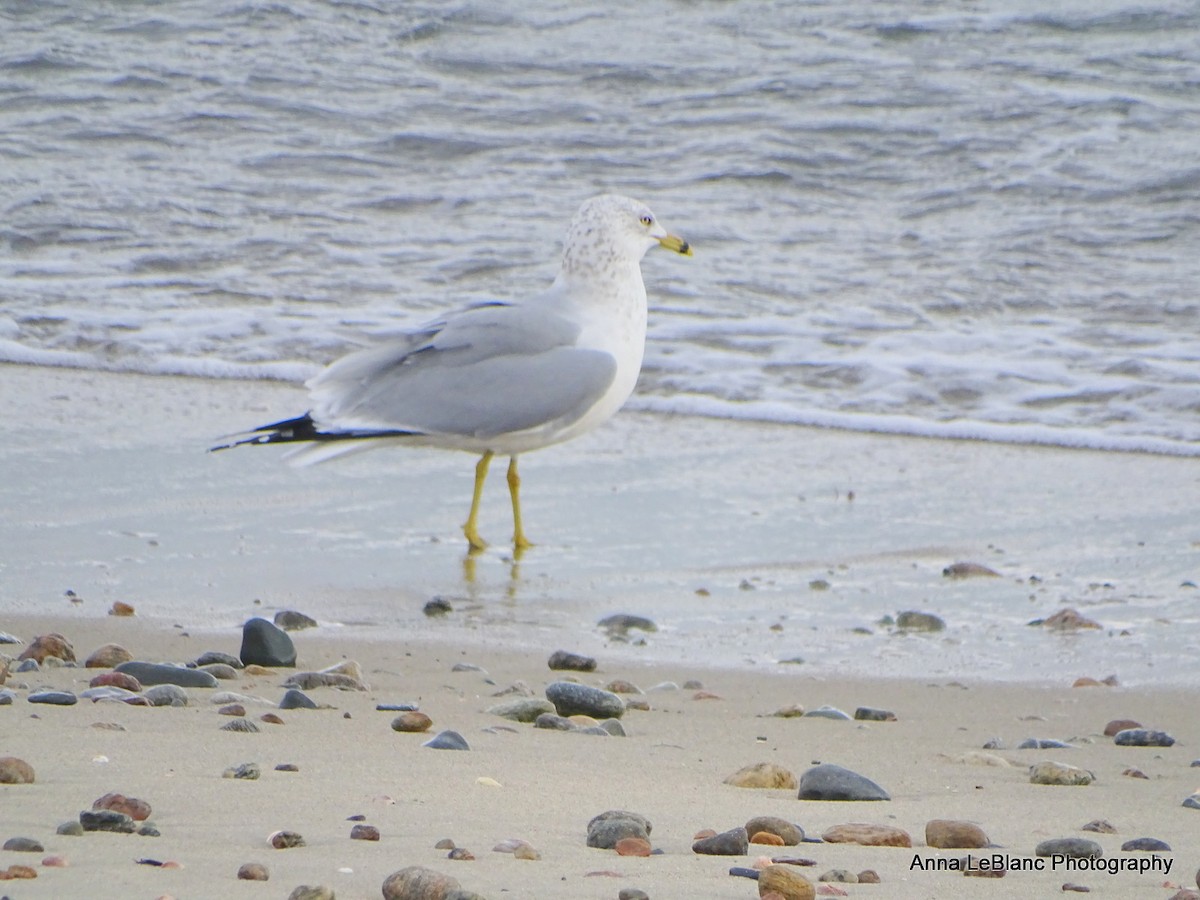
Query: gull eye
x,y
647,220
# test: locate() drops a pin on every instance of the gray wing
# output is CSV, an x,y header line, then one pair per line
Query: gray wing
x,y
487,371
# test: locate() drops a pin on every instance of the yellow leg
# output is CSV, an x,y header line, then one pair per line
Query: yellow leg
x,y
520,542
470,529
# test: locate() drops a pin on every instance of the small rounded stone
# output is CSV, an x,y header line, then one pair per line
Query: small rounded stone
x,y
253,872
364,833
284,840
14,770
412,722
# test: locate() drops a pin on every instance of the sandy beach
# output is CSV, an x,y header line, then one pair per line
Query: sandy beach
x,y
716,531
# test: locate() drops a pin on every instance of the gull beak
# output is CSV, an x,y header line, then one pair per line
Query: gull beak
x,y
676,243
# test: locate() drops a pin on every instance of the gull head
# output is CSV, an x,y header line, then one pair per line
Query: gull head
x,y
611,230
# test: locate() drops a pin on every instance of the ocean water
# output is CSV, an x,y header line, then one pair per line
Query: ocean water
x,y
973,219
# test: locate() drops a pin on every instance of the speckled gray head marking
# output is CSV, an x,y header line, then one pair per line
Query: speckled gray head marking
x,y
608,232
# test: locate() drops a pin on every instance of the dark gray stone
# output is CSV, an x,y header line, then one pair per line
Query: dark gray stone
x,y
565,660
734,842
830,782
7,697
264,644
447,740
291,620
294,699
149,673
107,820
54,698
911,620
1147,845
603,834
553,722
1142,737
24,845
870,714
215,656
571,699
622,623
1080,848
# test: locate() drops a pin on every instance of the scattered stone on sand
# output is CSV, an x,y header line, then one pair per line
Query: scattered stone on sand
x,y
621,686
233,709
734,842
969,570
296,699
632,894
23,845
149,673
1086,681
54,861
785,882
566,661
292,620
412,722
1076,888
570,698
437,606
604,830
554,722
419,883
362,832
241,726
270,719
70,829
827,712
1111,729
107,656
831,782
971,868
1100,826
612,727
116,679
166,695
1044,744
264,644
461,854
307,681
1066,619
14,770
444,844
766,838
106,820
1050,772
764,775
619,625
253,872
285,840
954,834
868,876
1078,848
211,657
49,645
286,767
912,620
526,851
17,872
447,740
53,697
838,876
980,758
633,846
120,608
788,833
1147,845
310,892
791,711
1135,773
219,671
138,810
246,771
1142,737
869,714
522,709
867,835
7,697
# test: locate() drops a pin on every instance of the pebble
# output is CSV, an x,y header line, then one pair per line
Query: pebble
x,y
954,834
526,851
734,842
867,835
763,775
117,679
120,608
308,892
1111,729
447,740
1076,888
242,726
16,872
570,698
911,620
827,712
969,570
1147,845
286,767
291,620
611,727
438,606
831,782
364,833
1066,619
397,707
1044,744
246,771
149,673
166,695
219,671
296,699
106,820
554,722
265,644
869,714
1079,848
632,894
412,722
1050,772
70,829
23,845
461,854
138,810
765,837
211,657
6,638
14,770
1100,826
49,645
270,719
307,681
789,833
53,698
620,624
54,861
868,876
418,883
222,697
1135,773
7,697
285,840
606,829
564,660
839,876
633,846
785,882
233,709
1142,737
107,656
1192,802
522,709
621,686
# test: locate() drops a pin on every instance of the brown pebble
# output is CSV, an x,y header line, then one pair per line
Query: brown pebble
x,y
632,846
868,876
1100,826
703,833
16,872
283,840
138,810
620,686
364,833
121,609
253,872
15,771
54,862
270,719
1066,619
255,669
108,656
953,834
792,711
766,837
45,645
763,775
418,883
1135,773
1078,888
411,722
1111,729
444,844
461,853
1085,681
706,695
785,882
116,679
867,835
233,709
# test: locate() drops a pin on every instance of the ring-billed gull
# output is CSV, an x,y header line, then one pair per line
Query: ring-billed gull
x,y
503,376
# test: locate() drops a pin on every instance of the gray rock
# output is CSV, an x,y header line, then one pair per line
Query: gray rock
x,y
310,892
438,606
243,726
613,727
869,714
54,698
166,695
447,740
564,660
28,665
294,699
1080,848
603,834
109,692
264,644
291,620
826,712
1142,737
149,673
523,709
7,697
790,833
220,671
107,820
1051,772
69,829
621,624
1147,845
911,620
830,782
23,845
571,699
553,722
734,842
246,772
1044,744
215,656
632,894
